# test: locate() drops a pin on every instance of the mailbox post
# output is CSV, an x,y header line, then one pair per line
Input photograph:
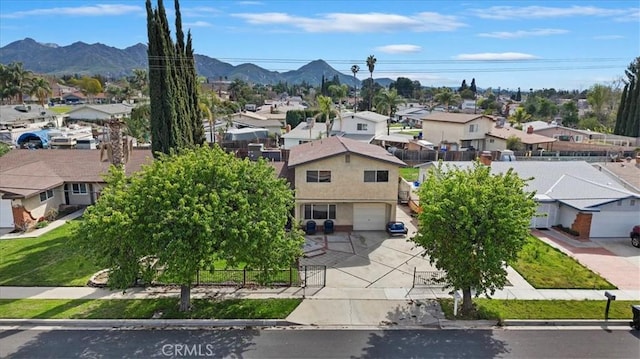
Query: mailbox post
x,y
610,297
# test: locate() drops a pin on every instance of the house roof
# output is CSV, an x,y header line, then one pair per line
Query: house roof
x,y
454,117
366,115
10,114
332,146
412,111
526,138
302,130
255,122
575,183
24,173
109,109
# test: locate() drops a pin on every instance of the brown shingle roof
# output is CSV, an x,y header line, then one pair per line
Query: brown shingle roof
x,y
453,117
332,146
526,138
27,172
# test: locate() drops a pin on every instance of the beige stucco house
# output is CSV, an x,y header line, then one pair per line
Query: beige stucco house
x,y
457,130
498,135
34,182
353,183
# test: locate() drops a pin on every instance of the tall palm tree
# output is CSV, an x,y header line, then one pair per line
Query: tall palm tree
x,y
20,78
324,103
41,89
371,64
355,69
388,101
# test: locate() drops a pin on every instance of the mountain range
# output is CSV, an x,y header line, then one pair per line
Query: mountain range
x,y
99,59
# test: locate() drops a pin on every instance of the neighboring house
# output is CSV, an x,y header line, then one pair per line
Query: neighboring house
x,y
411,115
469,106
457,130
253,120
497,139
362,126
562,133
34,182
100,113
306,131
354,184
17,120
571,193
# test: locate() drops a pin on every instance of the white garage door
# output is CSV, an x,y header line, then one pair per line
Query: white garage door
x,y
369,216
547,213
613,224
6,214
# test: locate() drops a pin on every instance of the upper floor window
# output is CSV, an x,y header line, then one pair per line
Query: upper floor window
x,y
318,176
79,188
362,127
376,176
46,195
473,127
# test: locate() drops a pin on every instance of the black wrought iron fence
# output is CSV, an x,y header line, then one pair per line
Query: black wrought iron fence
x,y
428,278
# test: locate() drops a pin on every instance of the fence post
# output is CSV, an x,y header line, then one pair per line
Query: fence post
x,y
305,276
290,276
413,285
324,279
244,276
198,277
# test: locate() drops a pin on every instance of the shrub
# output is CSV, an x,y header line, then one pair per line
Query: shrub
x,y
42,224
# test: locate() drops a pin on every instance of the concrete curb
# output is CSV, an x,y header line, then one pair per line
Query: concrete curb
x,y
468,324
147,323
566,323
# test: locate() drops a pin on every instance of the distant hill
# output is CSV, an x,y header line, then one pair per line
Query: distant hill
x,y
92,59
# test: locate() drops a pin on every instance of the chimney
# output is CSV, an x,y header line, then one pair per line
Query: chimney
x,y
530,130
485,158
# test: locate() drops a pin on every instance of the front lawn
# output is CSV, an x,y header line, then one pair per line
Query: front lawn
x,y
410,174
164,308
542,309
51,259
545,267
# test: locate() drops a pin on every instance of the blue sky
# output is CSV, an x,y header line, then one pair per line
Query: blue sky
x,y
507,44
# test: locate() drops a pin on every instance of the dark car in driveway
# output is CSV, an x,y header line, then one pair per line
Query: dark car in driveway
x,y
397,228
635,236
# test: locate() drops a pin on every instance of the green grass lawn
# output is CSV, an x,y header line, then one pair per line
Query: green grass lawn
x,y
545,267
146,308
60,109
410,132
543,309
410,174
51,259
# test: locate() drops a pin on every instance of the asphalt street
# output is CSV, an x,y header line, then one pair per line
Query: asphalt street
x,y
319,343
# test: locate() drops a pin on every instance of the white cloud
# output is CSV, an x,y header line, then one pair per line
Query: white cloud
x,y
249,3
399,49
197,24
493,56
522,33
358,23
528,12
92,10
608,37
199,11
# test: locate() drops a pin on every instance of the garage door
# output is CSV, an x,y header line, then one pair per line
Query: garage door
x,y
369,216
613,224
547,213
6,214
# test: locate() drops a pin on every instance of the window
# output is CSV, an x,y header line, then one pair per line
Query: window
x,y
362,127
473,127
632,202
79,188
347,158
46,195
319,211
491,140
318,176
376,176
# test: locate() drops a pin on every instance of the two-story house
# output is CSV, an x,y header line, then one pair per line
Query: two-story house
x,y
355,184
362,126
457,130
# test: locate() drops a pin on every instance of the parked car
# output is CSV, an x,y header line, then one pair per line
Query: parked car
x,y
397,228
635,236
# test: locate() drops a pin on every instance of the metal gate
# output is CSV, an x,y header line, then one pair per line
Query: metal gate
x,y
313,275
428,278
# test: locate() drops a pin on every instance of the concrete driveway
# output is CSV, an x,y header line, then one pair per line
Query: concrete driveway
x,y
367,259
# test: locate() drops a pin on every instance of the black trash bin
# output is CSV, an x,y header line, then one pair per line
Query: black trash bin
x,y
310,227
328,226
635,309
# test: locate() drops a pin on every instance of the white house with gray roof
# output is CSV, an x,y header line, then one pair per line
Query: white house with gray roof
x,y
97,113
572,193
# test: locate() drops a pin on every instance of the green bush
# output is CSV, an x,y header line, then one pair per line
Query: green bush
x,y
42,224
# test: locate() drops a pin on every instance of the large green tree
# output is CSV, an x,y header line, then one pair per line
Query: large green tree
x,y
176,119
628,117
183,211
472,223
40,88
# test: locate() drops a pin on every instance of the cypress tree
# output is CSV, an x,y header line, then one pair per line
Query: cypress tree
x,y
633,120
176,120
619,127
